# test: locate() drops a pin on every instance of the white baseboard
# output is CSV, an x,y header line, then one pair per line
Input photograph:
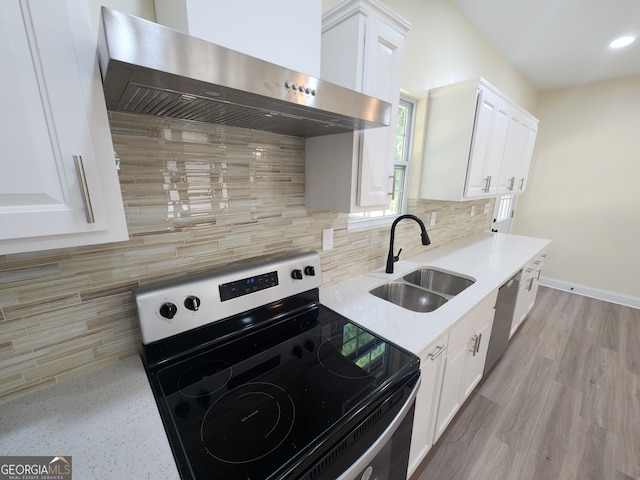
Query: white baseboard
x,y
596,293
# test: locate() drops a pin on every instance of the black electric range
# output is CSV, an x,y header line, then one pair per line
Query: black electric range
x,y
286,388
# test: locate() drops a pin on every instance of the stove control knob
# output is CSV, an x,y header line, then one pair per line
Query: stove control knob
x,y
296,274
310,271
168,310
192,303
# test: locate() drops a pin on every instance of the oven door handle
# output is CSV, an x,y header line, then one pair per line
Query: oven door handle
x,y
368,456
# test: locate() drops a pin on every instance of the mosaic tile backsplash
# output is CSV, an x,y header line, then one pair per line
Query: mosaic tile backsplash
x,y
196,197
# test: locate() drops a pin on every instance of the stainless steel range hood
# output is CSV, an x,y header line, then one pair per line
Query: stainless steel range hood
x,y
150,69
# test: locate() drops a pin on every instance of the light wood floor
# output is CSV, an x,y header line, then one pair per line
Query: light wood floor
x,y
563,403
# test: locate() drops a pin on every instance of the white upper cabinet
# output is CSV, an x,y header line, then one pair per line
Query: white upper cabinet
x,y
362,45
518,152
487,145
59,185
478,143
284,32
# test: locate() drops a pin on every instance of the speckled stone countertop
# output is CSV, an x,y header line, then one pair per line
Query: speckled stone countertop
x,y
490,258
107,421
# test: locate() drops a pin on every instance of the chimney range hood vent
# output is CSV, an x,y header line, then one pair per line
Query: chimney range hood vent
x,y
150,69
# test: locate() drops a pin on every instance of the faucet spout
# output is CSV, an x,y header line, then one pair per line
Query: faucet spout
x,y
391,258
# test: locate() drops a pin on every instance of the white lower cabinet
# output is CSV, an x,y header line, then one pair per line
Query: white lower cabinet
x,y
464,361
431,374
450,369
477,347
528,290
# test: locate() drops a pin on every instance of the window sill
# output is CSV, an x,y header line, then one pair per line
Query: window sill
x,y
370,223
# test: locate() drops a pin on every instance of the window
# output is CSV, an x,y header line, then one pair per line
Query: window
x,y
404,129
363,349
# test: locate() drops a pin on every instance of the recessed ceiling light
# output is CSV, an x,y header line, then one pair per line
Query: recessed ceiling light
x,y
622,42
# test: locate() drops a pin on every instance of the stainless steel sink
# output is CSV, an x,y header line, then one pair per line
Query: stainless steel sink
x,y
423,290
409,297
437,281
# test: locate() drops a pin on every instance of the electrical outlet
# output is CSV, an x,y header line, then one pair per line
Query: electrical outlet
x,y
432,222
473,210
327,239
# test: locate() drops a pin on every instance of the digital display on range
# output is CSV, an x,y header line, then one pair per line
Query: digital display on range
x,y
248,285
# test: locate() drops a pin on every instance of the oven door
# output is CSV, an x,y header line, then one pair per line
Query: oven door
x,y
382,452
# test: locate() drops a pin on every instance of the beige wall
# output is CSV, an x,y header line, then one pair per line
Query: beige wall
x,y
583,191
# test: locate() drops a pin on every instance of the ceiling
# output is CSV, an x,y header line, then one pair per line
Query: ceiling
x,y
560,43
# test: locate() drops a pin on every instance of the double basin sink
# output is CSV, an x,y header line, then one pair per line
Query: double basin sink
x,y
423,290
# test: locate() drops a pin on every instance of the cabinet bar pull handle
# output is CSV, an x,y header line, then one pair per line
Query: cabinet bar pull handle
x,y
521,183
393,185
539,272
478,343
530,284
474,347
487,182
512,181
86,199
438,352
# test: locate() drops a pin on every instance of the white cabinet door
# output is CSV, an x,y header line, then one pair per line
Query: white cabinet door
x,y
487,147
525,163
534,283
431,373
514,152
464,368
477,348
522,301
518,151
528,290
383,55
450,398
58,162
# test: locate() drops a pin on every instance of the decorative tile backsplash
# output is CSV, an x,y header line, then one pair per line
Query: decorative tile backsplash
x,y
196,197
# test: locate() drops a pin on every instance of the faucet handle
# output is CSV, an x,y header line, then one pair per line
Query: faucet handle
x,y
397,257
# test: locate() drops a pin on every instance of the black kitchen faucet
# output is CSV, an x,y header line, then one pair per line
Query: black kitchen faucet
x,y
391,258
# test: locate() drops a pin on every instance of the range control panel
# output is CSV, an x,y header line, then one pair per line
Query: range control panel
x,y
248,285
168,309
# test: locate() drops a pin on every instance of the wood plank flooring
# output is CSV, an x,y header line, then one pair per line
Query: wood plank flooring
x,y
563,403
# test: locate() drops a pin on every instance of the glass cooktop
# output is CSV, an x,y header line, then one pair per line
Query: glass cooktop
x,y
255,407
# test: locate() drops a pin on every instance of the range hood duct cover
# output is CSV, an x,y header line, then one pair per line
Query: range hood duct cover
x,y
150,69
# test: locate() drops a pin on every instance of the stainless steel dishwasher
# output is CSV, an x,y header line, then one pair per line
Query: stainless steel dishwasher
x,y
505,308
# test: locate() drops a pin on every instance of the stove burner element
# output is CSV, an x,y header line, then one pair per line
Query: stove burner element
x,y
247,423
204,378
